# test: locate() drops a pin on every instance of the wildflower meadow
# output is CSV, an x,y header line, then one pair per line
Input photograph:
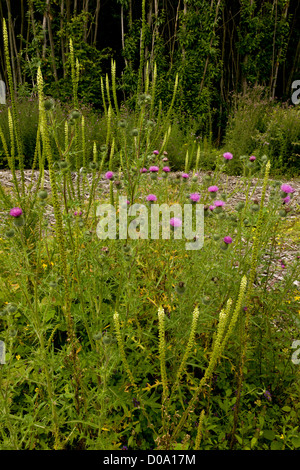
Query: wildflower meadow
x,y
143,307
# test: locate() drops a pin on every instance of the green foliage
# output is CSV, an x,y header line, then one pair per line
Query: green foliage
x,y
260,127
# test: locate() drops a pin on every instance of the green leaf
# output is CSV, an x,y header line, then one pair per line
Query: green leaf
x,y
276,445
286,408
296,442
253,442
269,434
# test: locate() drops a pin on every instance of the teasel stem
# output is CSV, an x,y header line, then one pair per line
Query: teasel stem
x,y
245,332
114,88
108,124
10,156
162,352
147,78
173,98
122,352
127,368
163,372
186,165
111,188
61,244
74,74
67,157
190,344
83,147
103,97
153,89
56,205
199,431
218,348
256,237
13,106
197,159
49,379
108,91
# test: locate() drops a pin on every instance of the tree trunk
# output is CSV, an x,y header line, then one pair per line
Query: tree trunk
x,y
175,32
49,19
122,32
275,76
210,44
62,41
14,49
96,22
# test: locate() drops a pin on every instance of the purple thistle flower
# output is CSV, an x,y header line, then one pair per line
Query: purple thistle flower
x,y
252,158
286,188
151,198
227,240
185,175
166,169
165,159
211,208
156,152
228,156
16,212
154,169
219,203
135,402
175,222
267,394
109,175
286,200
143,170
213,189
195,197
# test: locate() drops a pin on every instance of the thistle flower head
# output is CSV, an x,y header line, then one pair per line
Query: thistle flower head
x,y
227,156
252,158
166,169
195,197
286,188
154,169
219,203
227,240
213,189
175,222
109,175
16,212
151,198
185,176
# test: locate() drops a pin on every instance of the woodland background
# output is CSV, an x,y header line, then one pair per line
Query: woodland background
x,y
219,49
